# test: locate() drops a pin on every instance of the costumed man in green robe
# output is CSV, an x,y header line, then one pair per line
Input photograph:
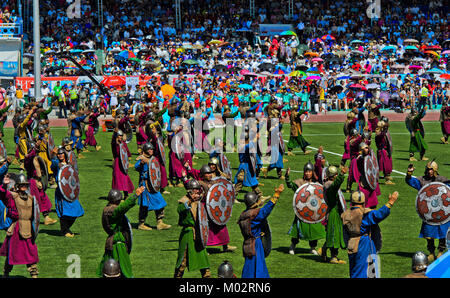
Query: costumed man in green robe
x,y
415,127
191,251
296,139
334,229
116,225
299,229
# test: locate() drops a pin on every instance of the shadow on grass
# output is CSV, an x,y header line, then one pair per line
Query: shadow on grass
x,y
402,254
407,159
51,232
102,198
13,276
285,249
109,166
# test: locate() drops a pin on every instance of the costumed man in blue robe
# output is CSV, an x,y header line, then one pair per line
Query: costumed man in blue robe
x,y
67,211
427,231
150,199
75,121
252,222
364,239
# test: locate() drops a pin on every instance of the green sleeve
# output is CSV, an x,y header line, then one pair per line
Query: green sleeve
x,y
161,112
334,187
234,114
5,109
290,184
124,206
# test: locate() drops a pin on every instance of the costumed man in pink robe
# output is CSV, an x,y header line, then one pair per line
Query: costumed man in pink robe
x,y
19,246
90,132
156,140
384,152
218,234
353,143
34,175
120,179
179,149
370,195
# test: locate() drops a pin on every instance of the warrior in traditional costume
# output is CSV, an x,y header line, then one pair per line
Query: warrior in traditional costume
x,y
427,231
253,222
364,236
191,252
415,127
299,229
150,199
115,223
120,178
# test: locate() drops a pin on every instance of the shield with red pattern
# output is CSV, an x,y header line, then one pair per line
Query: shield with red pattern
x,y
69,183
72,159
373,154
202,221
123,158
162,152
433,203
219,201
371,173
225,165
309,203
154,173
3,152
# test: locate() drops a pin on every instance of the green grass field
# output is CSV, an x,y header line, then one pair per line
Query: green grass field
x,y
154,252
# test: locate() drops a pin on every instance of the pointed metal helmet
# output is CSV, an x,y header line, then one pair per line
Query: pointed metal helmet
x,y
250,199
419,261
225,270
111,268
358,197
114,195
331,171
308,167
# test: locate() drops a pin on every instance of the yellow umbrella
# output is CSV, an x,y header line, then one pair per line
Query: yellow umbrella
x,y
167,90
215,41
312,54
297,73
180,50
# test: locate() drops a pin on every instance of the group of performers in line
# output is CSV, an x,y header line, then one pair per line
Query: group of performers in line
x,y
23,196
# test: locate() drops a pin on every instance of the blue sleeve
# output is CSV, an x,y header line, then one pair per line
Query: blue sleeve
x,y
413,182
3,170
138,166
376,216
263,213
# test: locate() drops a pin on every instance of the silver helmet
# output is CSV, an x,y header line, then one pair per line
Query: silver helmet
x,y
225,270
111,268
419,261
114,195
250,199
308,167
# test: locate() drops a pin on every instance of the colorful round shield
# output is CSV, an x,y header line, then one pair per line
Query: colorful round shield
x,y
72,160
225,165
3,151
123,158
162,152
433,203
36,217
371,172
203,227
219,202
154,173
69,183
309,203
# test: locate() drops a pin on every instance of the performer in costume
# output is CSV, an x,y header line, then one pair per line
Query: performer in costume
x,y
228,119
179,155
34,176
276,150
319,164
155,138
22,128
19,246
116,225
150,199
427,231
371,200
251,222
354,142
419,265
218,234
67,211
296,138
415,127
361,228
42,149
75,121
334,234
350,133
191,252
299,229
444,118
384,151
373,115
120,178
90,131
